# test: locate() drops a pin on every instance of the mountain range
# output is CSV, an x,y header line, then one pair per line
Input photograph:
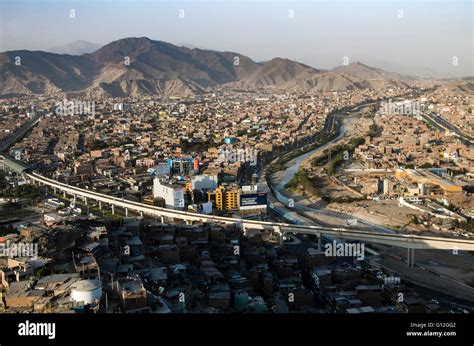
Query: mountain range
x,y
140,66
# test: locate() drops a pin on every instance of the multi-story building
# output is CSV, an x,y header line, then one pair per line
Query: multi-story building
x,y
183,165
171,193
224,197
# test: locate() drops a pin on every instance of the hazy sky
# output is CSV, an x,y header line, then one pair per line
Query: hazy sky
x,y
404,36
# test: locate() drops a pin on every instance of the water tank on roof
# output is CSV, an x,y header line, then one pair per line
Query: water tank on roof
x,y
87,291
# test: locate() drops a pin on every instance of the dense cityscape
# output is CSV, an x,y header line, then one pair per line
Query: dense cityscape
x,y
140,176
223,153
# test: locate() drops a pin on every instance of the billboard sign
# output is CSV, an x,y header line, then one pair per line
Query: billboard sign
x,y
253,201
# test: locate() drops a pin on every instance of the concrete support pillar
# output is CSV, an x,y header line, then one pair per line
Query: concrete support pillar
x,y
64,194
410,257
280,240
113,209
85,200
126,212
319,242
54,189
74,199
162,219
100,205
141,214
278,231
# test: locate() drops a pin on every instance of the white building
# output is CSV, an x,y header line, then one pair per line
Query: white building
x,y
173,194
121,107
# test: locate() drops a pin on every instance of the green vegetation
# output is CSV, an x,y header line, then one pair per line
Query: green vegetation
x,y
337,155
319,140
320,160
280,163
375,130
337,159
302,179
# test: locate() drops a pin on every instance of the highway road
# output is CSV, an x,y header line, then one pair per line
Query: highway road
x,y
19,133
401,240
444,125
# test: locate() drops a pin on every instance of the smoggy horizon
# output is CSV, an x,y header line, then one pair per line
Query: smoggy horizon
x,y
417,38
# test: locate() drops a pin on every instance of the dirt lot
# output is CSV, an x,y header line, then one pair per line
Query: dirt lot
x,y
386,212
